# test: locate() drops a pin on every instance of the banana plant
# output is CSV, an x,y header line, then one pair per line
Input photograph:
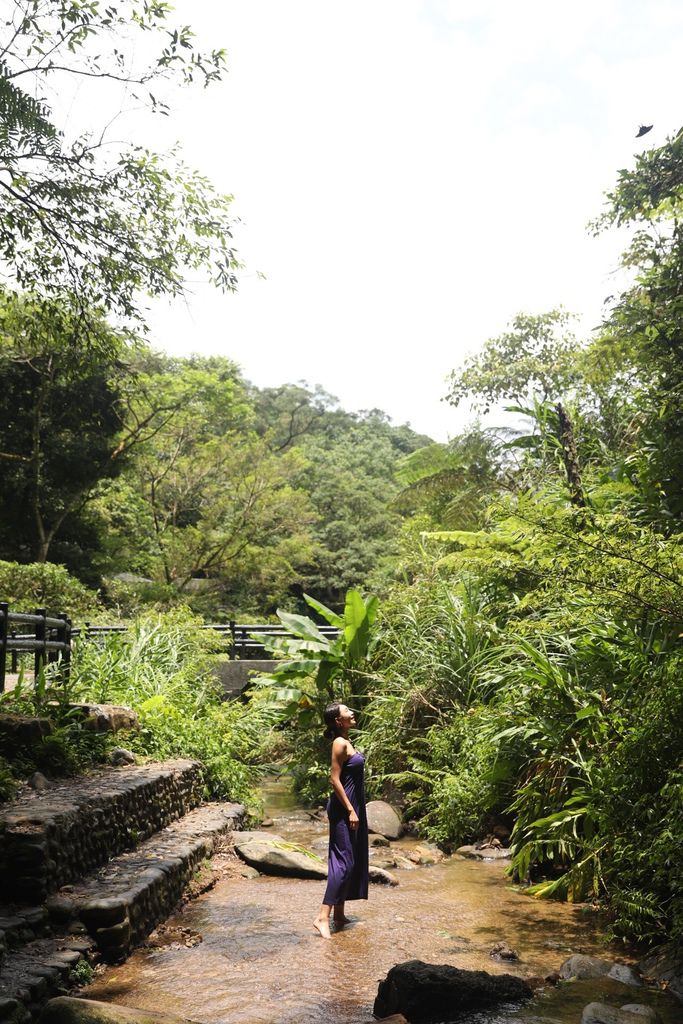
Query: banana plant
x,y
317,668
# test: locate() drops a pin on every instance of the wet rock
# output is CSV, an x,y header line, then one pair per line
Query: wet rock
x,y
273,857
38,782
647,1014
625,974
404,864
65,1010
384,862
77,944
12,1011
426,992
381,876
580,966
379,841
250,873
665,967
426,854
249,836
384,819
119,757
476,852
267,823
503,952
173,936
430,992
601,1013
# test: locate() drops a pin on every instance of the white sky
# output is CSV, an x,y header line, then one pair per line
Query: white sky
x,y
409,175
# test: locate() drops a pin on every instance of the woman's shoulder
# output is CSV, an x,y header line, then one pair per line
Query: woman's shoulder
x,y
340,746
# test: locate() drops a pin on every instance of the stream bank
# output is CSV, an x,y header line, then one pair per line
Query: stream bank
x,y
259,961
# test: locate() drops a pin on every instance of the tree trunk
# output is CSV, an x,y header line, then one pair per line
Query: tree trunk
x,y
570,458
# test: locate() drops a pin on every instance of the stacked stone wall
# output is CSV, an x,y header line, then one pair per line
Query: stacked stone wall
x,y
50,839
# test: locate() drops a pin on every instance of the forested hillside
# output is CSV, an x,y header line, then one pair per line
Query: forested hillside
x,y
121,462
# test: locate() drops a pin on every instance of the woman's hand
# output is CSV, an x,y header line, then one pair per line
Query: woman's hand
x,y
353,819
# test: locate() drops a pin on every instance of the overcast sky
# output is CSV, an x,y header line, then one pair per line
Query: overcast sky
x,y
409,175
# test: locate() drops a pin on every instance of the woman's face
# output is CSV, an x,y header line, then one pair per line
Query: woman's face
x,y
346,719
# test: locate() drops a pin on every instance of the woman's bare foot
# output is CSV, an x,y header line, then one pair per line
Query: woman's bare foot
x,y
322,926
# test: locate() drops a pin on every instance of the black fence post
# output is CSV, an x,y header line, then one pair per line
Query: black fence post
x,y
4,622
40,635
232,639
65,637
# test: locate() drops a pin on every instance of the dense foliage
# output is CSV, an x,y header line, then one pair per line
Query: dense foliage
x,y
175,481
84,214
163,668
531,660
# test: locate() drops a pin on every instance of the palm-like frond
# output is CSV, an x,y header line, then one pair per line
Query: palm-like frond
x,y
23,119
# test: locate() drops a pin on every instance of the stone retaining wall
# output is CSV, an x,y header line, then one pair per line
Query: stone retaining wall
x,y
126,899
52,838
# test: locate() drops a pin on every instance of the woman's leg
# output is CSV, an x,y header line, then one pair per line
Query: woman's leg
x,y
322,921
340,918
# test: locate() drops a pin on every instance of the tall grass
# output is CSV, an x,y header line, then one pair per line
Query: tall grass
x,y
163,668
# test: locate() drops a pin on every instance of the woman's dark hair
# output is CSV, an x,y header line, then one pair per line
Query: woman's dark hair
x,y
330,716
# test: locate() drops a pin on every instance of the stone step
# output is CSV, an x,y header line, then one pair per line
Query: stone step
x,y
50,838
37,971
122,902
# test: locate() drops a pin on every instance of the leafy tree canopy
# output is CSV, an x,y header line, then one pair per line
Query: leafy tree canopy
x,y
103,222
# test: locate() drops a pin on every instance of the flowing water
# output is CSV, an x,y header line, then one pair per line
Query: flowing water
x,y
260,962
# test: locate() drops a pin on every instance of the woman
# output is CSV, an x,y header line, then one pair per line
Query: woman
x,y
347,875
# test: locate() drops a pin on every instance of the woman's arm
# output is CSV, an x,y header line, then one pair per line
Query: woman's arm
x,y
338,759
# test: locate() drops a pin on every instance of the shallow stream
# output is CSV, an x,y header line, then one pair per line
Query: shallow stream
x,y
260,962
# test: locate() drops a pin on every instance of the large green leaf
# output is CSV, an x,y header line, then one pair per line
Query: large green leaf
x,y
301,626
356,627
324,611
300,667
355,613
289,646
371,608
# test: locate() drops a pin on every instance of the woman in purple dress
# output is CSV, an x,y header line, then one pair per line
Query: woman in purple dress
x,y
347,875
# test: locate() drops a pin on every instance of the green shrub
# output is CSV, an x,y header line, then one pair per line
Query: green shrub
x,y
45,585
69,749
451,784
163,668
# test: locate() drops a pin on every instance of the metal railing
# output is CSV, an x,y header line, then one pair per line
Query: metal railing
x,y
242,638
49,640
244,641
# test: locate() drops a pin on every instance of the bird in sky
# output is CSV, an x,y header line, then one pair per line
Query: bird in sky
x,y
644,129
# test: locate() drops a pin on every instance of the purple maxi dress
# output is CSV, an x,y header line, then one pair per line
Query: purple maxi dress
x,y
347,875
